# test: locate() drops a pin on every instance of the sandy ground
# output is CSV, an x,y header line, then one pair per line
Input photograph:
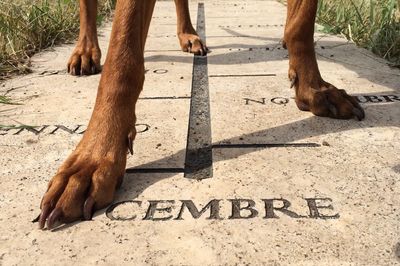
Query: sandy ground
x,y
340,178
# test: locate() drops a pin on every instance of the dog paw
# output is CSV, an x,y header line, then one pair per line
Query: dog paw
x,y
329,101
85,59
192,43
77,191
86,181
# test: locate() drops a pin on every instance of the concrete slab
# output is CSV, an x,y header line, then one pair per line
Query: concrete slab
x,y
287,188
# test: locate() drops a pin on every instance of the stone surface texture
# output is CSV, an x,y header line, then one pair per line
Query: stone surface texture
x,y
354,164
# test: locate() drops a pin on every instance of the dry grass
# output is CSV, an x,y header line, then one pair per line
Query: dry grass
x,y
372,24
7,100
28,26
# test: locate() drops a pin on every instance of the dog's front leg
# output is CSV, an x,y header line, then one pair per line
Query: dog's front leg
x,y
188,37
89,177
312,92
85,59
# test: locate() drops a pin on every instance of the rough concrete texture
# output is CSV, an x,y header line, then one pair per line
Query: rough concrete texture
x,y
354,164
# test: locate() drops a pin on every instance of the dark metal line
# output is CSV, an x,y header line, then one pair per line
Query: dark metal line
x,y
242,75
252,26
266,145
165,98
160,50
198,161
153,170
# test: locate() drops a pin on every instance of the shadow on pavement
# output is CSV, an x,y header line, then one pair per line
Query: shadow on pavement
x,y
331,51
135,184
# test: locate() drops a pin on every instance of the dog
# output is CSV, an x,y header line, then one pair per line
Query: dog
x,y
85,59
89,177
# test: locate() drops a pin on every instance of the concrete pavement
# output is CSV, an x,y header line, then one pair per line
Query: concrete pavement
x,y
287,188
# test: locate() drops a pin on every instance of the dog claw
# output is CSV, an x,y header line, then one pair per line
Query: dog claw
x,y
333,110
54,216
36,219
73,72
203,50
292,78
292,83
130,146
46,210
131,137
88,209
359,114
284,44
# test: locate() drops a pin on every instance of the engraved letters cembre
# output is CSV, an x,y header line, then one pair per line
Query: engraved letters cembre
x,y
217,209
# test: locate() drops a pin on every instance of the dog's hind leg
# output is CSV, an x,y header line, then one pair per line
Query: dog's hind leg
x,y
87,180
312,92
188,37
85,59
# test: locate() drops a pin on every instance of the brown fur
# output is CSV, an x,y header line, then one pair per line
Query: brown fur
x,y
85,59
87,180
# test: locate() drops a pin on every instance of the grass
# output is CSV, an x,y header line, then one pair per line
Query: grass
x,y
28,26
7,100
15,127
372,24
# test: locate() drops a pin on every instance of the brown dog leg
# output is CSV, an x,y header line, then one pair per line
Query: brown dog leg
x,y
312,92
85,59
88,178
188,38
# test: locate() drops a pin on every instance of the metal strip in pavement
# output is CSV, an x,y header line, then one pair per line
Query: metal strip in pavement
x,y
198,161
242,75
266,145
153,170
